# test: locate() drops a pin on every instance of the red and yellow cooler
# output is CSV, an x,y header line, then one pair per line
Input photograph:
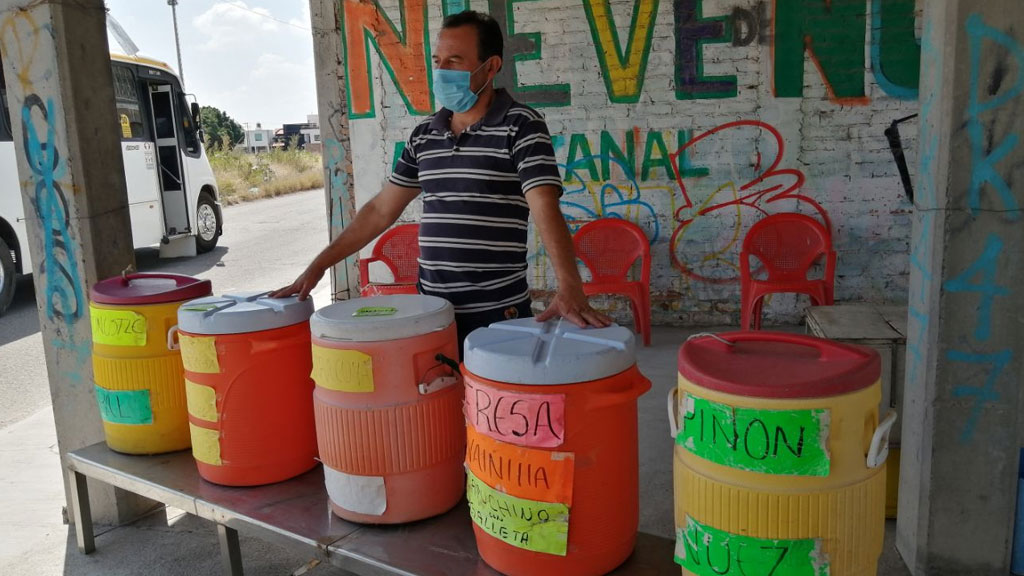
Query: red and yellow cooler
x,y
388,405
139,384
780,456
551,450
250,397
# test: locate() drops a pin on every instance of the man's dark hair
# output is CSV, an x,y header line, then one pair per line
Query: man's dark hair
x,y
490,41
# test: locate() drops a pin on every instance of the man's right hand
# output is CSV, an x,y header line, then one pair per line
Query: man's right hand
x,y
303,285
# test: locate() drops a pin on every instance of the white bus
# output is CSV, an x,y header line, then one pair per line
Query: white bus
x,y
172,193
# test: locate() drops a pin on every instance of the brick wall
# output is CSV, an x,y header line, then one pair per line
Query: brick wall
x,y
692,118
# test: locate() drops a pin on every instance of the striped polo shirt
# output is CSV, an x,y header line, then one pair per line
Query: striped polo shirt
x,y
473,230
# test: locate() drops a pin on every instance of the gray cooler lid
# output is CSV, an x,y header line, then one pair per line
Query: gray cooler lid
x,y
241,313
525,351
382,318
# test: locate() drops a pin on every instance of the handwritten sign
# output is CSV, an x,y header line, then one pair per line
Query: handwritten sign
x,y
706,551
199,354
522,419
523,472
124,406
342,370
537,526
205,444
375,311
202,401
782,442
117,327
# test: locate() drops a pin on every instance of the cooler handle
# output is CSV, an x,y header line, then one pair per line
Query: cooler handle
x,y
879,450
126,278
599,400
825,352
441,382
673,412
172,343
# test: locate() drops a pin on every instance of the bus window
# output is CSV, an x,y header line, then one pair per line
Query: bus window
x,y
5,114
129,108
188,127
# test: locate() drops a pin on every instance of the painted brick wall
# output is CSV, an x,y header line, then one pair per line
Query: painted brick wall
x,y
692,118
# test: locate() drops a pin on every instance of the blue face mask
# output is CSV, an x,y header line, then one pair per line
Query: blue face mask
x,y
452,88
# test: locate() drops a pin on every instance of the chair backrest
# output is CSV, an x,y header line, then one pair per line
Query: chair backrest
x,y
399,250
608,248
788,245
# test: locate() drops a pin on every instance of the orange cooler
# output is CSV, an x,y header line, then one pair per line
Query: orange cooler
x,y
780,456
250,400
139,385
551,451
388,405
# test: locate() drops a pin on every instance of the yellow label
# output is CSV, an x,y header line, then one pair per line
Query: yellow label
x,y
202,401
205,444
117,327
199,354
342,370
126,126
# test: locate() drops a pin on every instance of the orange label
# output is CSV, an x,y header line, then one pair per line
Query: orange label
x,y
527,473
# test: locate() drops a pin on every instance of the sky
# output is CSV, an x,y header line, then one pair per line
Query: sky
x,y
253,59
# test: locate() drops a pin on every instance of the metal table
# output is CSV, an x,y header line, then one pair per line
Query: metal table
x,y
296,514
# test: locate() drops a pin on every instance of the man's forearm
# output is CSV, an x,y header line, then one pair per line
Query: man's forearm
x,y
556,238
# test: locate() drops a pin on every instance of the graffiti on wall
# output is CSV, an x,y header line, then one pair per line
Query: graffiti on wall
x,y
709,211
760,186
61,277
981,279
831,33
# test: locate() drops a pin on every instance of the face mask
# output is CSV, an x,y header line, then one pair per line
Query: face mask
x,y
452,88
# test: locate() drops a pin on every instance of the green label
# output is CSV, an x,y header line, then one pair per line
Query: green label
x,y
707,551
375,311
125,406
528,524
783,442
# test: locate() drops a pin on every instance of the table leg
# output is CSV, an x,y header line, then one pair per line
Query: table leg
x,y
230,552
81,512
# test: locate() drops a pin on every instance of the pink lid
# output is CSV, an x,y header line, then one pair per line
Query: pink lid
x,y
761,364
146,288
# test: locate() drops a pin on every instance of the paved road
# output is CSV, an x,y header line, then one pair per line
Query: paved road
x,y
265,245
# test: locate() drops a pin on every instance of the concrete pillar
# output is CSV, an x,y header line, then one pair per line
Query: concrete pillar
x,y
961,416
332,99
61,98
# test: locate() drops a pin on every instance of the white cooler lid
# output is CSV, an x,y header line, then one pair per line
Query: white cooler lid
x,y
524,351
381,318
241,313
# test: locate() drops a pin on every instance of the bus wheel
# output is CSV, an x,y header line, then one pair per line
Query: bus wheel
x,y
7,276
208,224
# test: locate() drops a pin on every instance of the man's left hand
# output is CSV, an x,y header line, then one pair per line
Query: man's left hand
x,y
572,305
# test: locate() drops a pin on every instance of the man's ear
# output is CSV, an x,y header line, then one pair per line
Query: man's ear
x,y
498,61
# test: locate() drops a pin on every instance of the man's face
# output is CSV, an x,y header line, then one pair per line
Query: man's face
x,y
458,49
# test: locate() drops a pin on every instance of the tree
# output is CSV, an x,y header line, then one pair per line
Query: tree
x,y
218,127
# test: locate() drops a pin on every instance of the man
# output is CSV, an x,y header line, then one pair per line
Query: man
x,y
484,163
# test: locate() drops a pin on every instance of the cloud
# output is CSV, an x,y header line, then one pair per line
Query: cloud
x,y
302,21
233,23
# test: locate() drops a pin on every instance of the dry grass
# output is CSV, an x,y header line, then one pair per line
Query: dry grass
x,y
242,177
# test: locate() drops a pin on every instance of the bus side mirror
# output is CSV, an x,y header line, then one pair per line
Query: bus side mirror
x,y
196,119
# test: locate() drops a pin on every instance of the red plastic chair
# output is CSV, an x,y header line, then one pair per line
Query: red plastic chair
x,y
399,250
608,248
787,246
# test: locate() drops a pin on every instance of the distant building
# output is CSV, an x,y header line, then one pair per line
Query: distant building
x,y
258,140
308,134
